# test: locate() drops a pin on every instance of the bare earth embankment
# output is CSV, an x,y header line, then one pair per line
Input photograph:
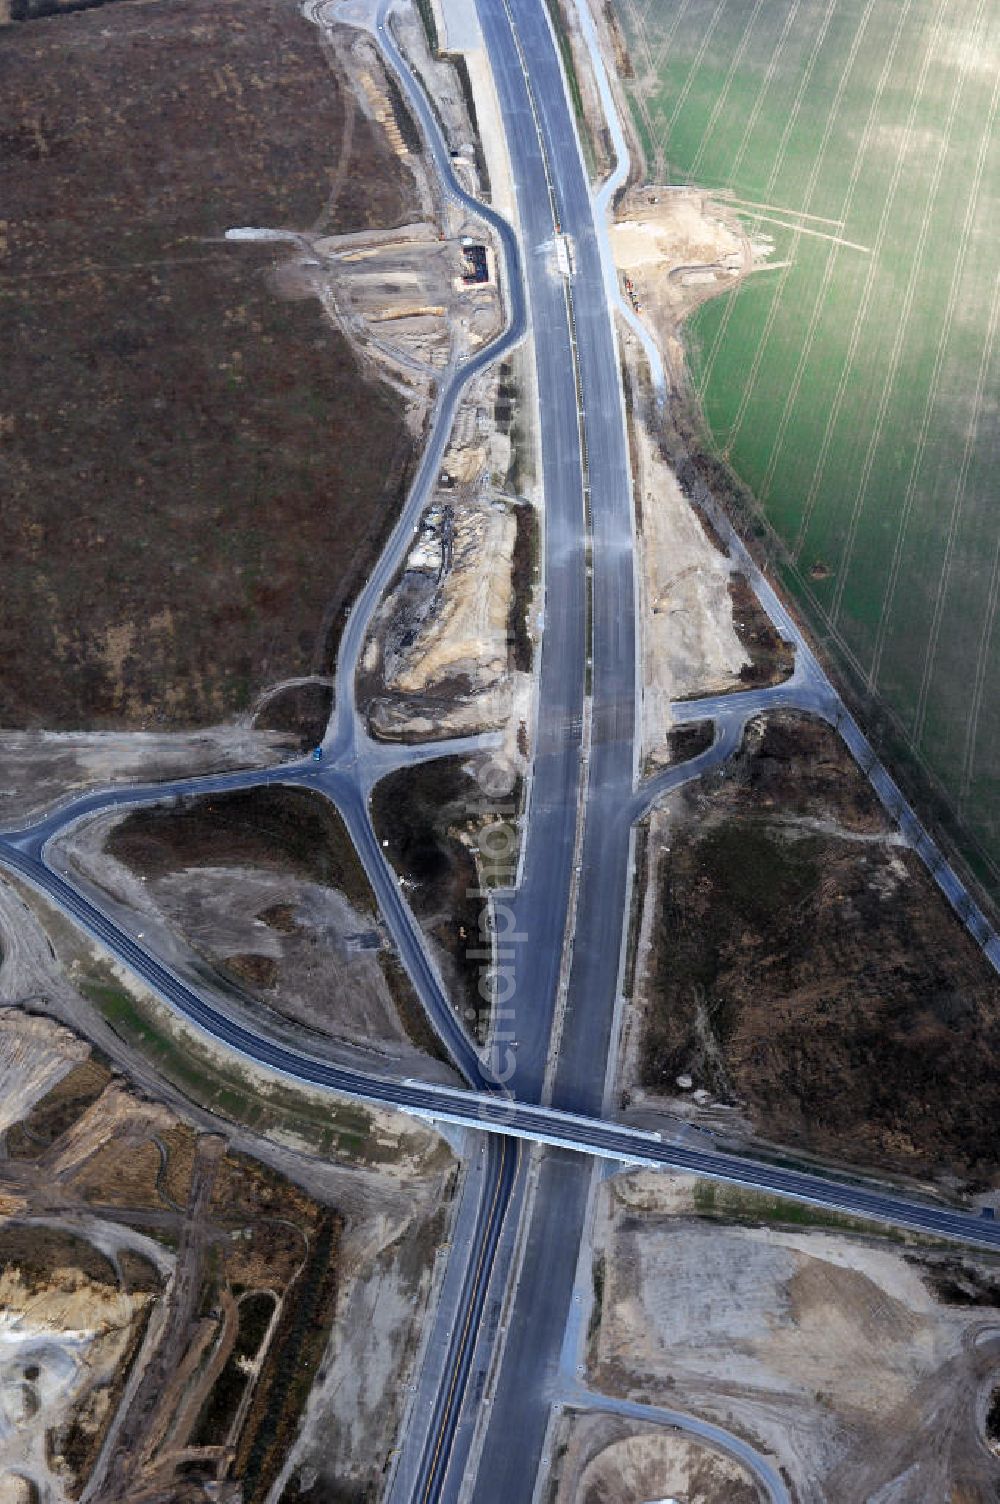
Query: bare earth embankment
x,y
187,1244
168,1300
703,629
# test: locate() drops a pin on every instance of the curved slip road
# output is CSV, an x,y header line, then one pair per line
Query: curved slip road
x,y
770,1480
486,1112
576,350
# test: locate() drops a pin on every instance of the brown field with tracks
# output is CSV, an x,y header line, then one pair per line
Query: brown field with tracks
x,y
190,491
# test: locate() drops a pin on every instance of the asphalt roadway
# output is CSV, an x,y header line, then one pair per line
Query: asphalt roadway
x,y
584,456
539,906
578,381
541,1301
489,1113
540,1304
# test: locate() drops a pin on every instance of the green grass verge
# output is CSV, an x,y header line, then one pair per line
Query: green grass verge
x,y
731,1203
205,1079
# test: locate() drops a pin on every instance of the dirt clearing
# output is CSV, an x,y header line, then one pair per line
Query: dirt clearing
x,y
260,897
220,1306
38,768
675,248
451,647
834,1353
689,643
703,630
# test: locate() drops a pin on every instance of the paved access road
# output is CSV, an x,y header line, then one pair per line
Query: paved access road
x,y
488,1113
578,1397
580,396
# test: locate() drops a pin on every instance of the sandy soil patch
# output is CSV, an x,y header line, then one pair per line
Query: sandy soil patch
x,y
34,1055
467,635
676,247
62,1342
82,1377
689,640
831,1351
350,1428
405,299
39,768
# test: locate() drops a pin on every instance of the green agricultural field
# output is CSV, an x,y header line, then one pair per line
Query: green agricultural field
x,y
855,385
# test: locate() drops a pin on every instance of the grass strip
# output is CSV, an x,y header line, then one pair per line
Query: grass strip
x,y
333,1126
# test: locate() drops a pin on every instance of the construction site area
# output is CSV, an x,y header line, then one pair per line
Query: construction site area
x,y
174,1287
854,1360
450,649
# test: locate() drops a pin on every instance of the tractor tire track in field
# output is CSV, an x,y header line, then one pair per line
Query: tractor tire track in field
x,y
772,209
773,175
909,498
832,260
804,354
637,94
654,63
861,313
345,154
722,97
762,92
818,162
694,69
663,51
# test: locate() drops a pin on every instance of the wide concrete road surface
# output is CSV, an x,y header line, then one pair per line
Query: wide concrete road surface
x,y
541,1301
540,904
551,185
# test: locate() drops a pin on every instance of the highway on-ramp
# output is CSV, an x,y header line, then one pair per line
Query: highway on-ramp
x,y
486,1112
583,788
